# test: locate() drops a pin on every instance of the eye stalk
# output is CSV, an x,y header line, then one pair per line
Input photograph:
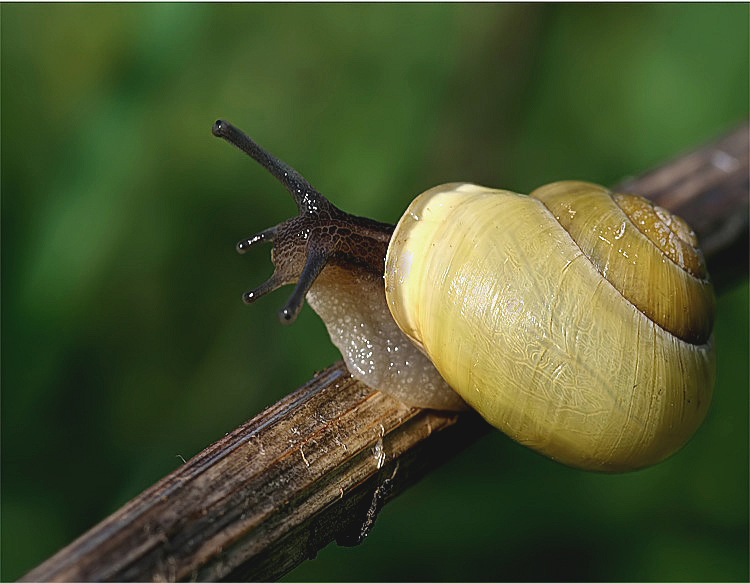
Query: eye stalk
x,y
318,236
305,196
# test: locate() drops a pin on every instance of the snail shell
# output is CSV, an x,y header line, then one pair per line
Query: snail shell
x,y
576,321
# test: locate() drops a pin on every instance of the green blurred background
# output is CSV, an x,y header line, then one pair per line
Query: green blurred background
x,y
124,341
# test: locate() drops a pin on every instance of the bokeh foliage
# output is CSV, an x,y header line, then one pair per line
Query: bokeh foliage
x,y
124,341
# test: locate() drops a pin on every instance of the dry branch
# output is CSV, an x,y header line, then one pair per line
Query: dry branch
x,y
318,465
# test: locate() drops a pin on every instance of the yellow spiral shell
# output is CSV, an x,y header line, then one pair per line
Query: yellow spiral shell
x,y
577,322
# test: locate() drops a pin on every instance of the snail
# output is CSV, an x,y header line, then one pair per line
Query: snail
x,y
577,321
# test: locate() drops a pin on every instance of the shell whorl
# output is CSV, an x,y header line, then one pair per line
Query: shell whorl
x,y
648,254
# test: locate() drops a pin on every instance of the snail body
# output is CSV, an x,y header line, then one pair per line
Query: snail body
x,y
576,321
353,307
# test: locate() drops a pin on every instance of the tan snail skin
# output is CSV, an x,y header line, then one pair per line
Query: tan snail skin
x,y
575,320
